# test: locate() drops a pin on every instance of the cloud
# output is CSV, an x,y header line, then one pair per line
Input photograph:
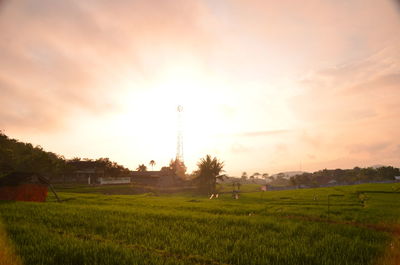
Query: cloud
x,y
70,64
349,93
352,109
70,57
383,84
368,148
397,3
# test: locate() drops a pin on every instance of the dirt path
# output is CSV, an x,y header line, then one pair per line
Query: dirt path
x,y
7,254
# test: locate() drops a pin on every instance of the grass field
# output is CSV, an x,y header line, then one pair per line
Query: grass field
x,y
361,226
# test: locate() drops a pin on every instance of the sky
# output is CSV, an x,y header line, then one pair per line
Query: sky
x,y
266,86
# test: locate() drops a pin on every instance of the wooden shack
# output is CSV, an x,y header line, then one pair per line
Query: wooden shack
x,y
23,186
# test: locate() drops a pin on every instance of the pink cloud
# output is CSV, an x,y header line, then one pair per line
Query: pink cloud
x,y
67,56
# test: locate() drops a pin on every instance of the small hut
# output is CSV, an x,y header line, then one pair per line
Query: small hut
x,y
24,186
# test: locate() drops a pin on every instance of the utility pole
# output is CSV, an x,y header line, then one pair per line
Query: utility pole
x,y
179,142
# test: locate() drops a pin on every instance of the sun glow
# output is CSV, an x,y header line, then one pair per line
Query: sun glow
x,y
156,126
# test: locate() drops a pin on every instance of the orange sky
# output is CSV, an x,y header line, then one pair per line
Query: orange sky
x,y
266,86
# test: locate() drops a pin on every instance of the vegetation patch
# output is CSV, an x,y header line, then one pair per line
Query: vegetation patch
x,y
92,228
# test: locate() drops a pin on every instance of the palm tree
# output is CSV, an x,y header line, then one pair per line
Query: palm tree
x,y
141,168
209,170
152,163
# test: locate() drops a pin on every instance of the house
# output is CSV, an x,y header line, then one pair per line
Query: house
x,y
81,171
84,172
100,171
23,186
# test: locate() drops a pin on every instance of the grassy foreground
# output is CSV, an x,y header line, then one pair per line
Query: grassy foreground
x,y
7,255
278,227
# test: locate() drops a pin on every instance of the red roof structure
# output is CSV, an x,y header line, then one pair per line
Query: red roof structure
x,y
24,186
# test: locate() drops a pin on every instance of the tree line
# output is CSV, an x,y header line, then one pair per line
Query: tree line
x,y
17,156
345,176
24,157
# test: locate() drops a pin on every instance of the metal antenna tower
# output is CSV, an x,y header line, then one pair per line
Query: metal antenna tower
x,y
179,142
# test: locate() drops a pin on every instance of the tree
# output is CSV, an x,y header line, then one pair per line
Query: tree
x,y
293,181
177,168
19,156
244,175
265,176
141,168
152,163
209,170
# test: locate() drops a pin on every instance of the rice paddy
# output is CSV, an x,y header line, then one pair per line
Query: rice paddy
x,y
358,226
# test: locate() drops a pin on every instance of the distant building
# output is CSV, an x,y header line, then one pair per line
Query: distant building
x,y
153,178
397,178
110,180
87,172
87,175
83,172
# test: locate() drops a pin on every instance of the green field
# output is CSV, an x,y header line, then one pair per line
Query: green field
x,y
277,227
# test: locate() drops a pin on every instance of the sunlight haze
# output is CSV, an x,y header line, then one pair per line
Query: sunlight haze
x,y
318,87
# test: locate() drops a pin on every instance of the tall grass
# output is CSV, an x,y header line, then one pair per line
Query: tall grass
x,y
282,227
